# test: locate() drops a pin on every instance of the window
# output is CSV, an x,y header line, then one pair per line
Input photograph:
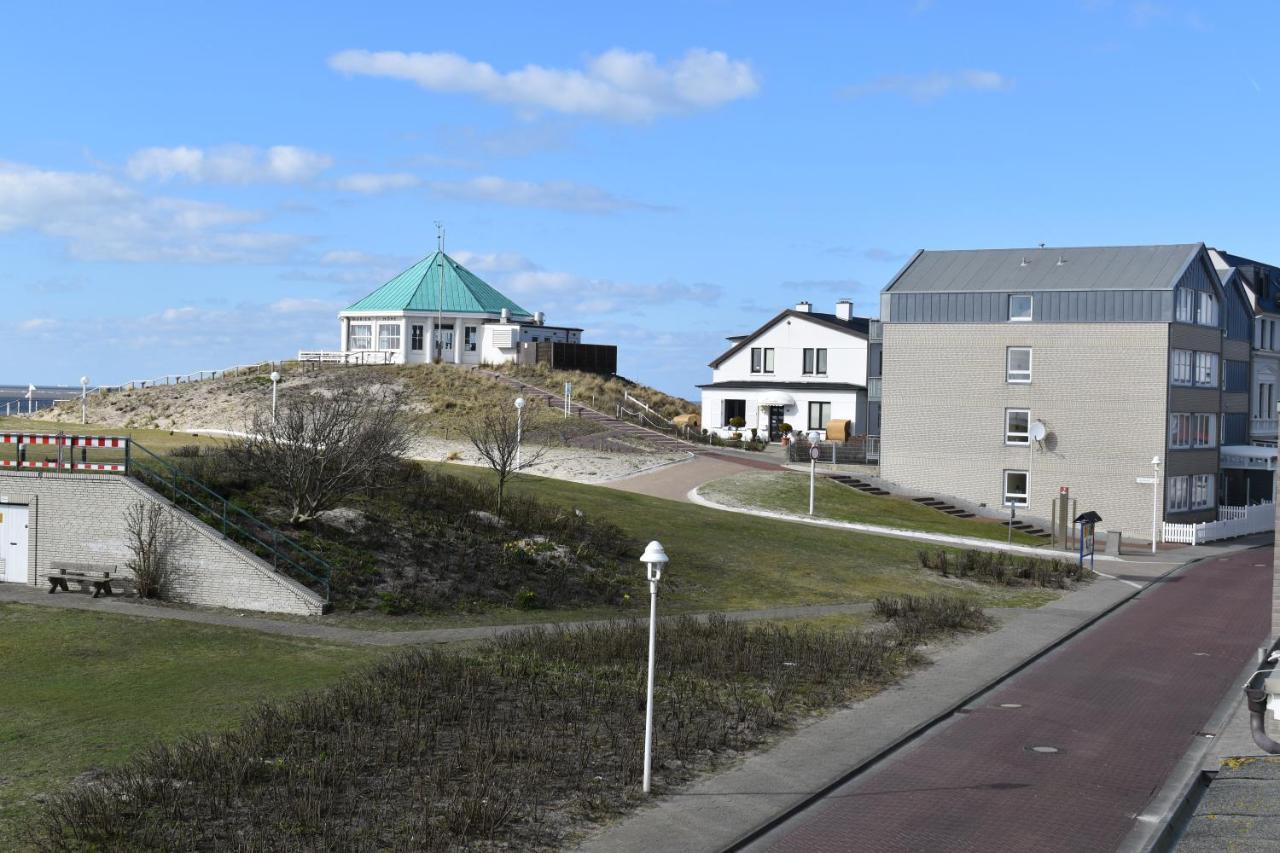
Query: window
x,y
1177,497
1266,400
757,360
1019,307
1015,488
819,415
768,360
1204,431
1017,426
388,336
469,338
1018,364
415,338
1179,430
1208,309
734,409
1180,373
1186,312
1202,491
1207,369
815,361
360,336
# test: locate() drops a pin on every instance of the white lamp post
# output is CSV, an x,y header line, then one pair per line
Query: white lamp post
x,y
84,391
519,428
31,395
1155,499
654,559
275,381
813,466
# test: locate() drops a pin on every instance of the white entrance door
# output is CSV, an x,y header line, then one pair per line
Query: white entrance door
x,y
13,543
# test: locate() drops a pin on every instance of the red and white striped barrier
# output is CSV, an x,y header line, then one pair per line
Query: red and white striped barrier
x,y
64,440
66,460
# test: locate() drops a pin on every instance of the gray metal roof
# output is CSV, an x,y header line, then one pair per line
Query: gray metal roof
x,y
1047,269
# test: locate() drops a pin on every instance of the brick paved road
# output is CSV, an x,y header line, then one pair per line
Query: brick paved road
x,y
1122,703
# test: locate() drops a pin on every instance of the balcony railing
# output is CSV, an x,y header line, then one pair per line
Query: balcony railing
x,y
874,332
873,389
1262,428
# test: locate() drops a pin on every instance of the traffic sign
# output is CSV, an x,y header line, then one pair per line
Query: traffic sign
x,y
1145,481
814,452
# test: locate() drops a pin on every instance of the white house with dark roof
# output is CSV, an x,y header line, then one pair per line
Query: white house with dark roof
x,y
803,368
439,311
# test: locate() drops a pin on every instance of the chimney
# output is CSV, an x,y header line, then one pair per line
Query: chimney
x,y
804,306
505,315
844,310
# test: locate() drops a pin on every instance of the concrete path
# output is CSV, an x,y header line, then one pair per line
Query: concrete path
x,y
1067,755
716,811
317,630
674,482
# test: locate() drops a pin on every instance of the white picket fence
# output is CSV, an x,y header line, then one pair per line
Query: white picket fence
x,y
1232,521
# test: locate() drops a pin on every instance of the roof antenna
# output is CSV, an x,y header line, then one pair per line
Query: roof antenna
x,y
437,345
440,236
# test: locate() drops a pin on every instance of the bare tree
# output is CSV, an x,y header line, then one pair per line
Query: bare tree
x,y
323,447
496,437
152,535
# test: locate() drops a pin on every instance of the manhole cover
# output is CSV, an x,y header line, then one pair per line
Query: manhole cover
x,y
1044,749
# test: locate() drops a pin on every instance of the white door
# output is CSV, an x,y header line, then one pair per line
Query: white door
x,y
13,543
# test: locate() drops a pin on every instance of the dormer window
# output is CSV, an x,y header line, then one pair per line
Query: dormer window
x,y
1186,311
1208,309
1020,308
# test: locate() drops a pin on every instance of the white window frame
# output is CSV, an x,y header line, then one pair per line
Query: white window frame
x,y
469,338
1018,316
1206,370
1181,367
1186,306
1015,498
1017,437
768,360
389,336
417,337
1202,496
360,336
1204,431
1177,493
1206,308
1018,377
1179,430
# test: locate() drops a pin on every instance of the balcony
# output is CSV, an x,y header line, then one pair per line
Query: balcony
x,y
1262,428
874,333
873,394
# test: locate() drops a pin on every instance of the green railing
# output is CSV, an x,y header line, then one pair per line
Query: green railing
x,y
186,492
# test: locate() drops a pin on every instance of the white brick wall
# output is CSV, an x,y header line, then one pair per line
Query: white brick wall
x,y
80,518
1100,389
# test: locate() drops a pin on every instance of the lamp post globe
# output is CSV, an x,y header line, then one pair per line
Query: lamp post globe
x,y
654,559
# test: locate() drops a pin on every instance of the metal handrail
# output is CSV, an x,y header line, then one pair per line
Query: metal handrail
x,y
231,517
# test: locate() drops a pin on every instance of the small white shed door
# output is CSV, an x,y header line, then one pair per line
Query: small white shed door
x,y
13,542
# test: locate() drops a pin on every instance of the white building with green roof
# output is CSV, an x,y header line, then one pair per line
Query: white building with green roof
x,y
439,311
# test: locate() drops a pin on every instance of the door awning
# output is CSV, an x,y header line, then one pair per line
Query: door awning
x,y
775,398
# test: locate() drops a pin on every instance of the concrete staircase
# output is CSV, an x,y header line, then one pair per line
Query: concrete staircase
x,y
626,430
950,509
861,485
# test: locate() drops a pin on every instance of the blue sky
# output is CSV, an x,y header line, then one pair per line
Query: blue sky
x,y
186,188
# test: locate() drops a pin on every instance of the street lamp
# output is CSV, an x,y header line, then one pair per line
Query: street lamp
x,y
813,465
275,381
1155,499
519,428
654,559
84,390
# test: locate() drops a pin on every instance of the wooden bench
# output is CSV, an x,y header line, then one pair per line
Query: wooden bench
x,y
85,574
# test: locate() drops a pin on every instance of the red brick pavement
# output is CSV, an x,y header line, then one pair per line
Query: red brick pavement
x,y
1123,702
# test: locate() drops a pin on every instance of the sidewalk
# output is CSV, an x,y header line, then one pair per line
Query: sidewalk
x,y
119,606
715,811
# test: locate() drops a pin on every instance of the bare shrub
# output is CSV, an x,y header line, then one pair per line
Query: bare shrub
x,y
152,537
496,437
321,448
1005,569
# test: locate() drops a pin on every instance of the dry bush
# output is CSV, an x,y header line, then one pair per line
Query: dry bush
x,y
503,748
152,535
1005,569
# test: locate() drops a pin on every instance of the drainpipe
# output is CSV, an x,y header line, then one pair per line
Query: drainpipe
x,y
1256,695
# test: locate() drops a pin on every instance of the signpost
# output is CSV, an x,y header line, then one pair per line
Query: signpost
x,y
568,396
1086,542
813,472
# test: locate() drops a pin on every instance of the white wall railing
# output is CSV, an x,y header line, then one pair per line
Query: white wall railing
x,y
360,356
1262,427
1232,521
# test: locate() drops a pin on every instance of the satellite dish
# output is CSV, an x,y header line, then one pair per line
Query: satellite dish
x,y
1038,431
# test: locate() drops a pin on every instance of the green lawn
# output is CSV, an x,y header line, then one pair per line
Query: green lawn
x,y
788,491
727,561
81,691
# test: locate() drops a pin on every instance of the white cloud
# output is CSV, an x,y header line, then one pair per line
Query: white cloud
x,y
37,324
228,164
102,219
618,84
293,305
929,87
369,183
548,195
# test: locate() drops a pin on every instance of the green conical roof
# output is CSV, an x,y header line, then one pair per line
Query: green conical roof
x,y
418,289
